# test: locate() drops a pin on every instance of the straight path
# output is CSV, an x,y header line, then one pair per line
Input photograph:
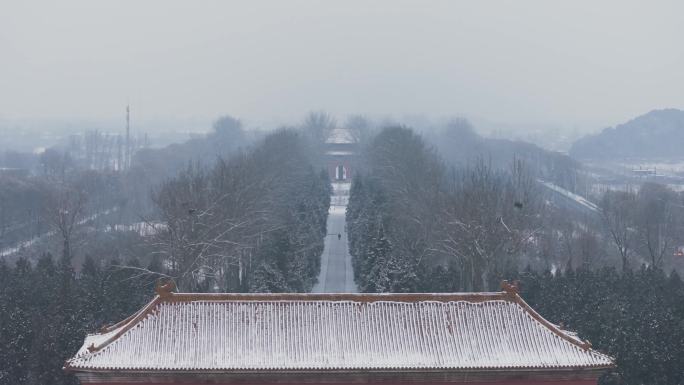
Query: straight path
x,y
572,200
30,242
337,275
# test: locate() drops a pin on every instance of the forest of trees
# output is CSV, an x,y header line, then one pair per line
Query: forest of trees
x,y
225,196
637,317
472,150
99,179
249,215
419,224
46,309
409,214
252,222
646,226
410,211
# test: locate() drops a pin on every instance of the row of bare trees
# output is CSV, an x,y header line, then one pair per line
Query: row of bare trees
x,y
645,225
54,206
253,222
414,221
58,201
409,214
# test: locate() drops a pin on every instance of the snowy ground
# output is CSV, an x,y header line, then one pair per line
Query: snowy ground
x,y
579,200
28,243
336,274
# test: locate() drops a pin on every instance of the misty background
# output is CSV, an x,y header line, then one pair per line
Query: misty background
x,y
546,72
310,146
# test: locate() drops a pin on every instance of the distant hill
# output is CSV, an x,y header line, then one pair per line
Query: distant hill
x,y
460,145
657,134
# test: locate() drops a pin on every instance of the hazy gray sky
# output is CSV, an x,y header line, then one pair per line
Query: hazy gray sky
x,y
583,63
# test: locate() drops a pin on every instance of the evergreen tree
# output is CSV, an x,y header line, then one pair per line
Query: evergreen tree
x,y
20,329
90,295
44,363
378,263
69,331
5,325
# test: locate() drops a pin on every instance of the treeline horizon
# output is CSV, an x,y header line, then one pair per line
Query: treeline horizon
x,y
445,210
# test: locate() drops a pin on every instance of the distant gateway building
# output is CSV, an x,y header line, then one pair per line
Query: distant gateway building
x,y
341,148
483,338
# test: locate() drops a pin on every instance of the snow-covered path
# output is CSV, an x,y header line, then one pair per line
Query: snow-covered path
x,y
577,200
28,243
337,275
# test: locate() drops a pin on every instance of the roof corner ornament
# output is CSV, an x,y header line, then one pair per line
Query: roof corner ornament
x,y
164,289
510,287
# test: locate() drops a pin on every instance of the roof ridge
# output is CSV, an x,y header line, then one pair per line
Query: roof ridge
x,y
352,297
126,325
557,330
162,289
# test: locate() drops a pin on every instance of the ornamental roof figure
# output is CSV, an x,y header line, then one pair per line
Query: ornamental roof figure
x,y
460,335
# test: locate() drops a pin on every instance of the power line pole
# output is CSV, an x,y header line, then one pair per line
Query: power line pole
x,y
127,162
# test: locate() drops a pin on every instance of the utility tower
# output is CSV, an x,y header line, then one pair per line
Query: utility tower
x,y
127,161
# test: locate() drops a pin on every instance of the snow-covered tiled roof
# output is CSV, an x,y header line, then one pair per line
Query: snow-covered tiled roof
x,y
340,136
257,332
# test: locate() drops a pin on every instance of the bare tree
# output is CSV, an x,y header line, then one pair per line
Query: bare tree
x,y
617,210
317,125
488,220
657,221
360,126
55,163
199,236
65,209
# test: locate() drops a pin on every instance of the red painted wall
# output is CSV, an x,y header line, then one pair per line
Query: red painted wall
x,y
517,382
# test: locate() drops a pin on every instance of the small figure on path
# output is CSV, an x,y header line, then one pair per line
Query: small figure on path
x,y
339,236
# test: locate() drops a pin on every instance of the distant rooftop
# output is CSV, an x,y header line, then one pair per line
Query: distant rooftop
x,y
341,136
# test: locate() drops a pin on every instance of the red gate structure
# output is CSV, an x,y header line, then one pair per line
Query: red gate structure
x,y
341,149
